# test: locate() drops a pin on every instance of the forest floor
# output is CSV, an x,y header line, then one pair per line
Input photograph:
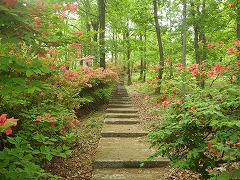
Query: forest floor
x,y
79,165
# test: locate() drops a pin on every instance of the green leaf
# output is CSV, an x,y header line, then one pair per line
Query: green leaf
x,y
234,138
4,163
19,81
12,140
49,157
37,71
5,91
28,157
59,149
19,89
12,167
31,89
44,69
63,155
29,73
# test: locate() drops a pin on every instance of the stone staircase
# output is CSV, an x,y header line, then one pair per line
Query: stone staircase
x,y
122,145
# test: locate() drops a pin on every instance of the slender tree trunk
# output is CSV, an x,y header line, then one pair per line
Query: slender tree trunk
x,y
238,26
202,37
196,40
145,56
160,48
101,6
141,60
184,43
238,36
128,55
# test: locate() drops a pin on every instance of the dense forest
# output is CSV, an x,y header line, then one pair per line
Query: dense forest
x,y
59,58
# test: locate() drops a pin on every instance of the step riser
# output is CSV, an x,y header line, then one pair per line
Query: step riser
x,y
119,102
123,134
121,111
121,116
120,106
121,122
128,164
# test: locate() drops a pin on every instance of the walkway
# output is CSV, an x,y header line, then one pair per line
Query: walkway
x,y
122,146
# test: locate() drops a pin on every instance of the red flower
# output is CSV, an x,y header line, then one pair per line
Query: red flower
x,y
48,116
230,4
210,46
179,65
46,33
59,95
211,73
165,103
56,5
10,3
210,144
69,124
75,121
77,53
39,118
178,102
231,50
4,121
195,72
193,108
79,33
38,21
147,82
168,60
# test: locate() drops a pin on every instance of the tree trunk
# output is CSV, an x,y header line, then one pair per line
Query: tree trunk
x,y
184,43
238,35
160,48
128,55
141,60
196,45
101,6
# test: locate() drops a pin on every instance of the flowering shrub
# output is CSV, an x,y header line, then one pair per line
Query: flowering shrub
x,y
201,128
6,124
41,86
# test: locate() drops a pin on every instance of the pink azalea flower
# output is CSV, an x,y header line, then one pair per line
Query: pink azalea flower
x,y
4,121
165,103
210,46
59,95
39,118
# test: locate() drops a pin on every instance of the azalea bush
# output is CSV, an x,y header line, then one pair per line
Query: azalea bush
x,y
201,128
44,83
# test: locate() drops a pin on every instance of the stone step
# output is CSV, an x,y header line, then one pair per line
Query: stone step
x,y
121,121
120,94
129,173
121,110
122,130
129,152
120,99
119,102
121,115
116,105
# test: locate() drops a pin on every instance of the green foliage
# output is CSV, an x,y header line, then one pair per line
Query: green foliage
x,y
18,162
202,132
43,84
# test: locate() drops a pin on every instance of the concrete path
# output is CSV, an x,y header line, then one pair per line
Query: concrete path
x,y
122,146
